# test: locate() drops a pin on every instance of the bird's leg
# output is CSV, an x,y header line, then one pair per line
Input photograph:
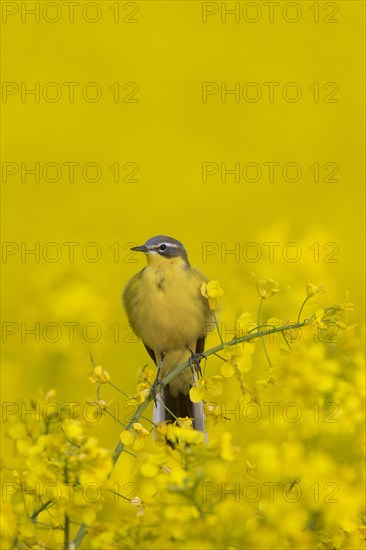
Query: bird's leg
x,y
194,362
157,382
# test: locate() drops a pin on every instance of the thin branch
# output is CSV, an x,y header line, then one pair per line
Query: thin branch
x,y
117,389
67,532
259,324
302,307
67,519
44,506
237,340
218,328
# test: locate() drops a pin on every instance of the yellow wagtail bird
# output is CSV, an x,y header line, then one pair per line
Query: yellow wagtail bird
x,y
167,311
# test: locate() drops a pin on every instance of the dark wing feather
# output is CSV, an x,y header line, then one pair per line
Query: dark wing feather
x,y
151,353
200,346
180,405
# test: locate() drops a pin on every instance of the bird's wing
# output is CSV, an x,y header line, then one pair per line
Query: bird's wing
x,y
151,353
200,346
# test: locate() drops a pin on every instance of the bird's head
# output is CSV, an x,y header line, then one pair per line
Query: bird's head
x,y
163,250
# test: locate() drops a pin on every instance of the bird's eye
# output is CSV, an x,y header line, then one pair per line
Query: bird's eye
x,y
163,247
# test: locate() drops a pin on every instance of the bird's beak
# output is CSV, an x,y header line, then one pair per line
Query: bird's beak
x,y
142,248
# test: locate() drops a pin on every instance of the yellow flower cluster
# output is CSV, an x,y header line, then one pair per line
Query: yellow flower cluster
x,y
60,472
213,292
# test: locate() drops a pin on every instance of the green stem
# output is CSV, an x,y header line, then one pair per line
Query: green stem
x,y
259,324
67,533
302,307
285,338
41,509
67,519
117,389
217,326
247,338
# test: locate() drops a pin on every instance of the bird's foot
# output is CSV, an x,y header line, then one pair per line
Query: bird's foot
x,y
194,362
155,389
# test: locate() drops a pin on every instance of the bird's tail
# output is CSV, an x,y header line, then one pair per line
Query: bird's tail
x,y
180,406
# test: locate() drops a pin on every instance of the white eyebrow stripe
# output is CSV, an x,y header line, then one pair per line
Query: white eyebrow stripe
x,y
170,245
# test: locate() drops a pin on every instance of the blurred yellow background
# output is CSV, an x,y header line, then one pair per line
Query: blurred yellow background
x,y
167,52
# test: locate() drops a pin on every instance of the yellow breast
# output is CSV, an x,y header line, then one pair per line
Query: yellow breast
x,y
165,306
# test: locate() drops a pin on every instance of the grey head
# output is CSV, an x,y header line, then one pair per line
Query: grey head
x,y
165,246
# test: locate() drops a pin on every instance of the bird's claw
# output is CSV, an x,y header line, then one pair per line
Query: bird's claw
x,y
154,390
194,362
